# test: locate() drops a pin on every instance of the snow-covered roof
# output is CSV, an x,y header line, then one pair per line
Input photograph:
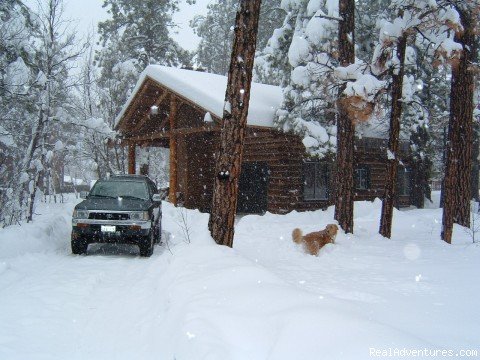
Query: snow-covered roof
x,y
208,92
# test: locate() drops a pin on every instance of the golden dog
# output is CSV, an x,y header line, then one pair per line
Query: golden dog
x,y
314,241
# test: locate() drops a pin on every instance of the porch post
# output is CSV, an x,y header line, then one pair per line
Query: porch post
x,y
172,196
131,158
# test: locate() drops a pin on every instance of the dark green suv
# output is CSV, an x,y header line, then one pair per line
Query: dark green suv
x,y
123,209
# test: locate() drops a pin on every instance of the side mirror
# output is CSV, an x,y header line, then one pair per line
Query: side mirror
x,y
157,198
83,194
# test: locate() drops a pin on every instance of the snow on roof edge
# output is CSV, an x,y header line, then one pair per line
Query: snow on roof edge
x,y
207,91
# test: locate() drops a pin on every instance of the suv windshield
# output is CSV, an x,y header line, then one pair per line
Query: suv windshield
x,y
115,189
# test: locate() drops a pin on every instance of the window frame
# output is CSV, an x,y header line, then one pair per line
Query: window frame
x,y
404,173
327,171
357,180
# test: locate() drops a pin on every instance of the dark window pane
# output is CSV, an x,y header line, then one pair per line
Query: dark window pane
x,y
309,184
321,184
403,181
316,181
362,178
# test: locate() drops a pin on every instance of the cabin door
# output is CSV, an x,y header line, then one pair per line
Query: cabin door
x,y
252,188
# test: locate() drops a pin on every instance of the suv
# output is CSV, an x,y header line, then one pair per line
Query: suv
x,y
122,209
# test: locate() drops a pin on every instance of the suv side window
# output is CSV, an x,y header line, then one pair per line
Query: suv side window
x,y
152,187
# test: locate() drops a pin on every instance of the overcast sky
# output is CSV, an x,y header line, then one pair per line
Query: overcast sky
x,y
87,14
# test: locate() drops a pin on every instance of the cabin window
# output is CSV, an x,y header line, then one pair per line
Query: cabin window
x,y
404,181
316,180
362,178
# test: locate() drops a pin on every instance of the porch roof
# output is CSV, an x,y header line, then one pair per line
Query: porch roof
x,y
207,91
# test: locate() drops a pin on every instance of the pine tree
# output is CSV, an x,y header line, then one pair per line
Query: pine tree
x,y
305,51
271,62
216,32
457,183
17,77
398,71
234,123
140,30
345,123
137,34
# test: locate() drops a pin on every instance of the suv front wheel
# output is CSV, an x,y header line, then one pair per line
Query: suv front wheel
x,y
158,233
79,247
146,246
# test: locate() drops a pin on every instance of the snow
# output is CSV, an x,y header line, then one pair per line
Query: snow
x,y
309,142
274,41
450,47
208,92
390,155
207,118
366,86
69,179
313,6
301,76
6,138
318,29
17,73
59,145
299,51
98,124
264,299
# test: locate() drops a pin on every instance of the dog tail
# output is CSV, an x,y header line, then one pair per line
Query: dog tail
x,y
297,235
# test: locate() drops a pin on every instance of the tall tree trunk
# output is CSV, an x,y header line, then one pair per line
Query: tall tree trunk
x,y
475,167
393,140
457,182
345,125
421,168
237,97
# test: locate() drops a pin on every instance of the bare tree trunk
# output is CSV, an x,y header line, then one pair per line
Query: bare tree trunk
x,y
457,182
237,97
392,162
345,125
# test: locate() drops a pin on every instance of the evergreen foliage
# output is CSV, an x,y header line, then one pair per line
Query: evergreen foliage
x,y
216,32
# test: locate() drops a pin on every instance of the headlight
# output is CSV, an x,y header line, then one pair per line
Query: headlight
x,y
80,214
139,215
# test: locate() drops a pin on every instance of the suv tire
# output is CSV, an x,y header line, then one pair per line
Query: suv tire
x,y
146,246
158,233
79,247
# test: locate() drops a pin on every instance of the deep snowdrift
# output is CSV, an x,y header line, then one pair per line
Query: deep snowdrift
x,y
264,299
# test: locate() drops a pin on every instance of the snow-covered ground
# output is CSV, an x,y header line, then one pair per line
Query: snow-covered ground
x,y
264,299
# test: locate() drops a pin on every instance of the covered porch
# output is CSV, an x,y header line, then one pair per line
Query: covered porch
x,y
161,118
181,110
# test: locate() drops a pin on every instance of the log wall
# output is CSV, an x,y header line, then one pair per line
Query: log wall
x,y
284,154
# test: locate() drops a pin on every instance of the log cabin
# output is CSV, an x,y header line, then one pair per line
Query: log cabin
x,y
182,109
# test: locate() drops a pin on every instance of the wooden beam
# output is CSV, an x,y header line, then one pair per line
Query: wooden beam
x,y
166,134
154,136
131,158
123,123
194,130
173,153
147,116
